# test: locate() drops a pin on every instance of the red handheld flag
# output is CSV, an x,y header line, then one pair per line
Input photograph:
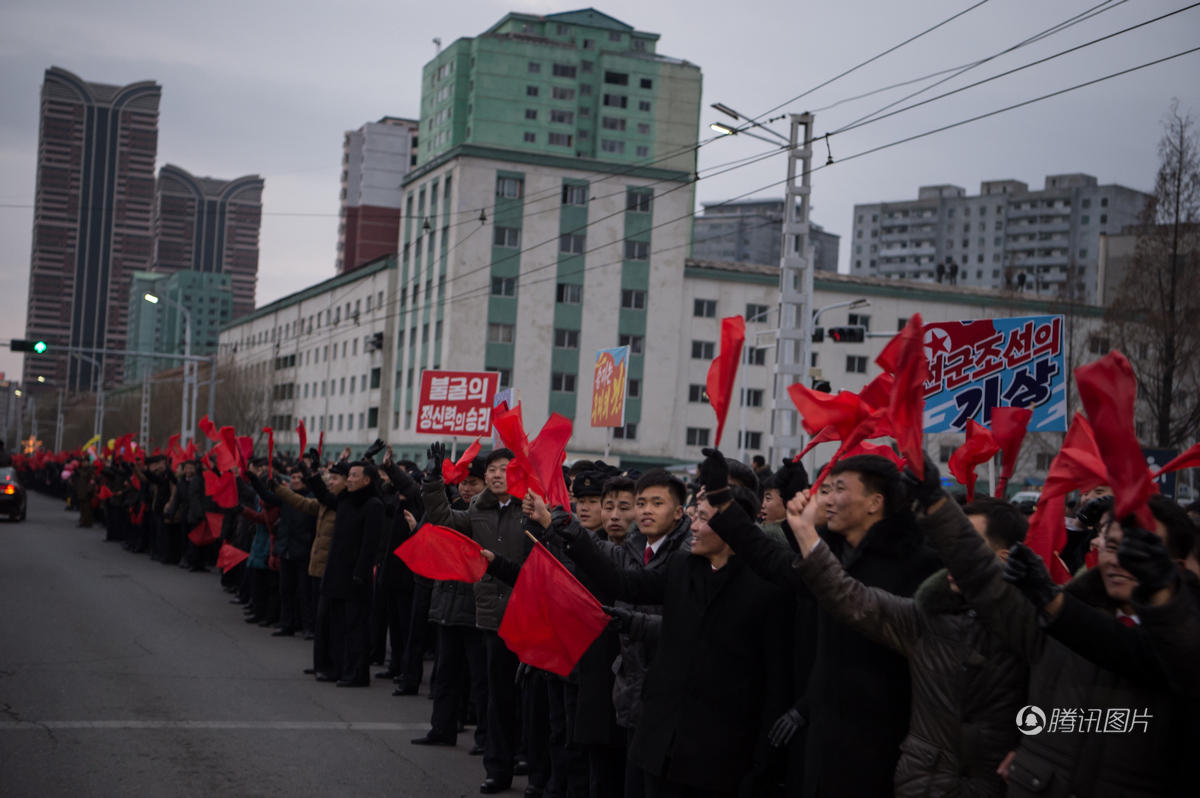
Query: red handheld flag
x,y
979,447
536,466
245,449
207,531
438,552
1009,425
904,358
321,446
104,493
229,439
819,410
454,473
271,451
1189,459
230,556
208,428
551,619
723,372
303,435
222,489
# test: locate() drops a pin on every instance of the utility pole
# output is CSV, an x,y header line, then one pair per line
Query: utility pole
x,y
794,350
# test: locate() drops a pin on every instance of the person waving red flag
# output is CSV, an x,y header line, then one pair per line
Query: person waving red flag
x,y
723,371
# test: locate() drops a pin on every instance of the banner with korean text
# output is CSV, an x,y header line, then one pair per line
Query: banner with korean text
x,y
456,402
608,387
976,366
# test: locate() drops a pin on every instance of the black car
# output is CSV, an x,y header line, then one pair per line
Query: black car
x,y
12,495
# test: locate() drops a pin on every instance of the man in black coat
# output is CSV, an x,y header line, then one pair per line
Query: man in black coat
x,y
347,580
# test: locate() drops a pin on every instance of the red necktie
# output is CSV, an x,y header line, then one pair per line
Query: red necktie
x,y
647,555
1127,620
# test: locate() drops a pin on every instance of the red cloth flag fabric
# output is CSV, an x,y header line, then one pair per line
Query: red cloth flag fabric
x,y
904,358
207,531
321,445
878,450
550,619
230,441
1009,425
456,472
303,435
878,391
230,556
1108,389
225,458
245,449
824,436
438,552
818,410
137,514
722,373
1189,459
190,452
270,451
536,466
208,428
137,483
979,447
104,493
222,489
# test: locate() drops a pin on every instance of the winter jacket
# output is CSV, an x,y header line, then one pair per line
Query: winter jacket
x,y
453,603
323,535
967,686
1054,761
359,522
499,529
857,701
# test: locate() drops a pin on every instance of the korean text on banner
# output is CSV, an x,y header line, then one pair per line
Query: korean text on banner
x,y
609,379
976,366
457,402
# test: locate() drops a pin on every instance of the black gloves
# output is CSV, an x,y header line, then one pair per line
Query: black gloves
x,y
785,728
925,492
436,453
622,618
1025,569
714,476
792,477
374,449
1143,555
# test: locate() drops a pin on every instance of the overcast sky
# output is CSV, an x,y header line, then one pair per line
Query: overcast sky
x,y
270,87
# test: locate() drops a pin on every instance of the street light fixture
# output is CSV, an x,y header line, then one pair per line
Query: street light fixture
x,y
861,302
151,298
186,424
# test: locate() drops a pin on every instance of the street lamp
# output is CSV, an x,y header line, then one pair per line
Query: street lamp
x,y
851,304
185,431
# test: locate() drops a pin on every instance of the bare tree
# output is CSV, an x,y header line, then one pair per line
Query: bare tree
x,y
1156,314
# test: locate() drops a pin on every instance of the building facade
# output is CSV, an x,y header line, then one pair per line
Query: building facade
x,y
92,220
375,160
1044,242
211,226
751,231
160,327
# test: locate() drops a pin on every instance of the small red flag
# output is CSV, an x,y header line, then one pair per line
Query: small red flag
x,y
225,457
229,439
222,489
904,358
230,556
1108,389
137,514
722,373
1008,428
438,552
245,449
979,447
819,410
536,466
551,619
104,493
303,434
271,451
879,450
454,473
1189,459
824,436
321,445
207,531
878,391
208,428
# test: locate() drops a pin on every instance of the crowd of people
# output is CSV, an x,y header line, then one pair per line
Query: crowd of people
x,y
869,636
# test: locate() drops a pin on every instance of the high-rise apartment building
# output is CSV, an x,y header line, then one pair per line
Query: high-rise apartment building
x,y
751,231
375,160
93,208
209,225
160,327
1043,241
549,217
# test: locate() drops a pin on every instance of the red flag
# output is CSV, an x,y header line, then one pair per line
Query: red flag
x,y
222,489
1008,428
230,441
454,473
104,493
818,410
879,450
824,436
723,371
190,453
207,531
321,445
878,391
979,447
271,451
225,457
551,619
438,552
904,358
536,466
208,428
1108,389
230,556
137,483
303,433
245,449
1189,459
136,515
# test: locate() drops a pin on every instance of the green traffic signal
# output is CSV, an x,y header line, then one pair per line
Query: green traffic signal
x,y
39,347
25,345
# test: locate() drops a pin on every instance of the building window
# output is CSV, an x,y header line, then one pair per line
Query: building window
x,y
643,128
534,67
636,343
856,364
568,293
643,105
572,243
566,339
500,333
531,113
510,187
530,137
562,382
696,393
752,397
753,440
647,83
504,286
573,194
562,117
703,350
560,139
704,308
616,101
635,389
616,78
562,93
1098,346
697,436
637,250
609,145
612,123
639,200
625,433
755,356
531,91
757,313
376,375
633,299
564,71
506,237
505,376
859,320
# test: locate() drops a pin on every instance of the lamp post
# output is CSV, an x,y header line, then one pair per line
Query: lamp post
x,y
861,302
186,424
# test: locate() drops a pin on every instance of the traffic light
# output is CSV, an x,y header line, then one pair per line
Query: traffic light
x,y
848,335
23,345
818,335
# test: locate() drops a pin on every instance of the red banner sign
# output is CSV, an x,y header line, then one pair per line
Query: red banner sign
x,y
608,387
456,402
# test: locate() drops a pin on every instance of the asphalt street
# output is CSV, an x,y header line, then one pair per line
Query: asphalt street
x,y
121,676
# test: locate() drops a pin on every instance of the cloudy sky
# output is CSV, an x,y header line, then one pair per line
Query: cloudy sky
x,y
269,88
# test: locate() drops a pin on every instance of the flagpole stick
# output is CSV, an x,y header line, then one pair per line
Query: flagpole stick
x,y
992,475
607,443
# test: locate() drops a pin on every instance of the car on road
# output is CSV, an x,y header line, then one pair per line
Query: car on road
x,y
12,494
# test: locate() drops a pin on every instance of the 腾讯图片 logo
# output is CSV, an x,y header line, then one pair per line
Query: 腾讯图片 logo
x,y
1031,720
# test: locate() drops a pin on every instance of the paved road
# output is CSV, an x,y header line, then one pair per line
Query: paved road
x,y
120,676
